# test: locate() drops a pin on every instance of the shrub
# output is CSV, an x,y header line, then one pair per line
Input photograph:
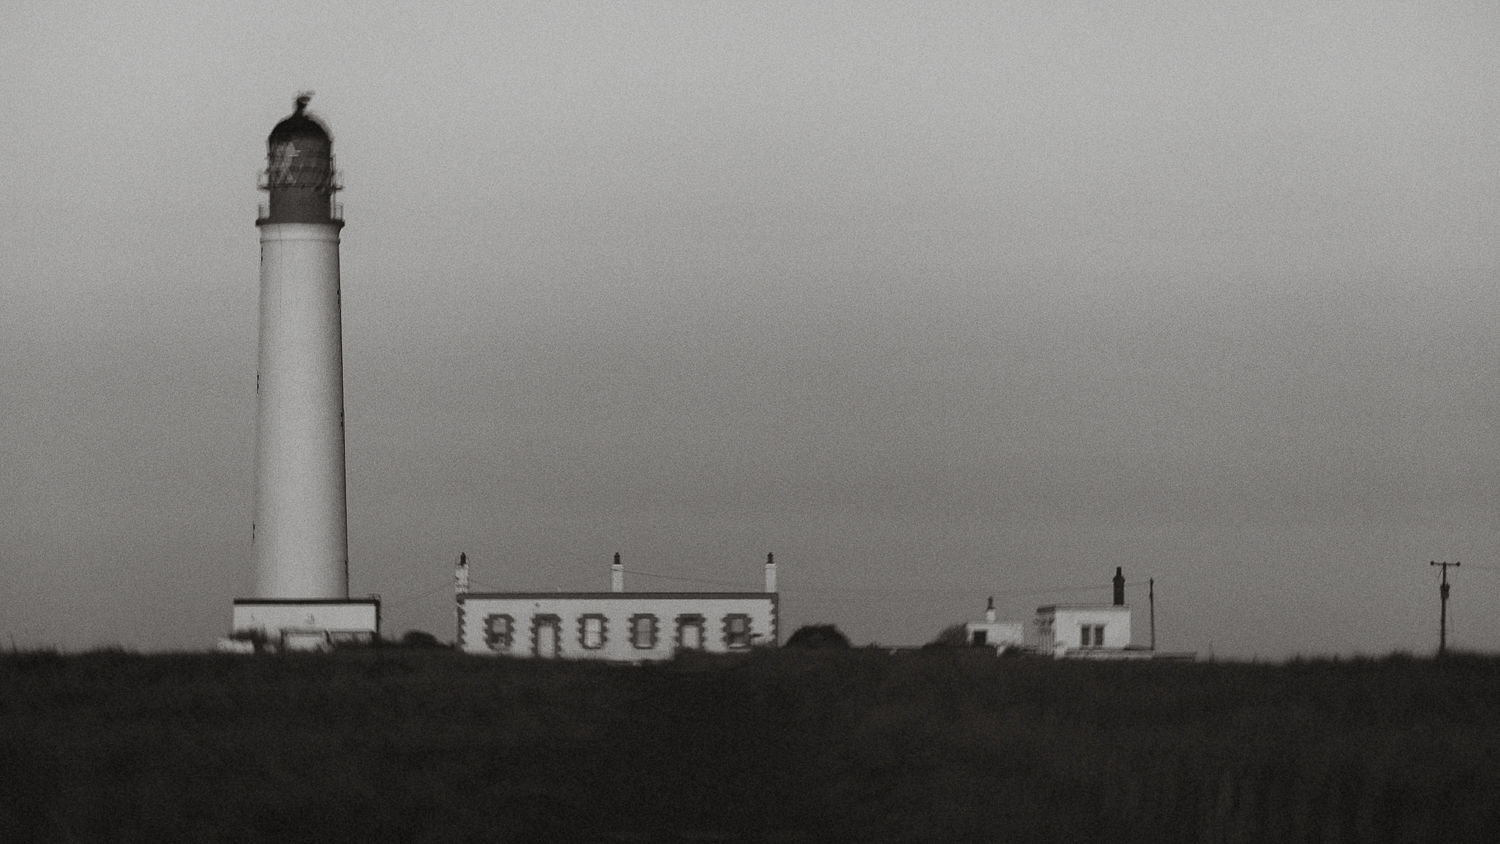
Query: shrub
x,y
420,639
818,636
952,636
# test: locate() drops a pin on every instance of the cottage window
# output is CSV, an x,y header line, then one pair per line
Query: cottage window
x,y
737,631
690,632
1093,636
498,631
643,631
591,631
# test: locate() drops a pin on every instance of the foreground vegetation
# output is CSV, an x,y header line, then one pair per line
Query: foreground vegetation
x,y
854,745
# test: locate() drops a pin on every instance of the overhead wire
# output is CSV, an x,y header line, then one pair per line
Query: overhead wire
x,y
741,584
873,592
406,599
956,591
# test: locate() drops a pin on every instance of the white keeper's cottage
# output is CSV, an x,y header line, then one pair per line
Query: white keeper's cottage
x,y
616,626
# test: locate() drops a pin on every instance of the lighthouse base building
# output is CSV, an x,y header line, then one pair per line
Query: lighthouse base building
x,y
306,625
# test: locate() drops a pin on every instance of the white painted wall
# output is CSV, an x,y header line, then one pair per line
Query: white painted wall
x,y
528,614
300,535
1059,627
338,619
998,634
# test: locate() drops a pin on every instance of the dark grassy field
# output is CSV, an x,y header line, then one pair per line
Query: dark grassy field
x,y
860,745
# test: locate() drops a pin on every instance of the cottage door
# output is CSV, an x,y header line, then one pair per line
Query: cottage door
x,y
546,639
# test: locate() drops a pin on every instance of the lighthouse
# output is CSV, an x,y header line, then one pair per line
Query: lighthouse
x,y
299,536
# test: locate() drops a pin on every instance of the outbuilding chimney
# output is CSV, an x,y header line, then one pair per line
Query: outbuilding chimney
x,y
617,575
461,575
770,573
1119,587
989,611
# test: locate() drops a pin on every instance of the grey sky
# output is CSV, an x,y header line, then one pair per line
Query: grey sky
x,y
935,301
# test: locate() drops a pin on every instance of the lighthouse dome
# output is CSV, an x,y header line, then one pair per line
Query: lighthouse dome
x,y
300,125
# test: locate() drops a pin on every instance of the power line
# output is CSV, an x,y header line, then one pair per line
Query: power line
x,y
896,591
740,584
416,596
955,592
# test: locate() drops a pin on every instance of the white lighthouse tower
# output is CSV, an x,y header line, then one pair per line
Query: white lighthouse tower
x,y
300,537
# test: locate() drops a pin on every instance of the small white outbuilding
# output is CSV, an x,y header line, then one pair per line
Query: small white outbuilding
x,y
1097,631
990,633
1082,629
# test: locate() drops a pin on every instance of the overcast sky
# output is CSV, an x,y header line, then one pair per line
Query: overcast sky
x,y
936,301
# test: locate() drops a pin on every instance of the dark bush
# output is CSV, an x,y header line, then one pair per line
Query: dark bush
x,y
952,636
420,639
817,636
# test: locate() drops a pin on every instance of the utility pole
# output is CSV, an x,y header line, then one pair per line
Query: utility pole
x,y
1152,596
1443,612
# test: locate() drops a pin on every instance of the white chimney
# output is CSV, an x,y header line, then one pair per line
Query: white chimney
x,y
989,612
770,573
617,575
461,575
